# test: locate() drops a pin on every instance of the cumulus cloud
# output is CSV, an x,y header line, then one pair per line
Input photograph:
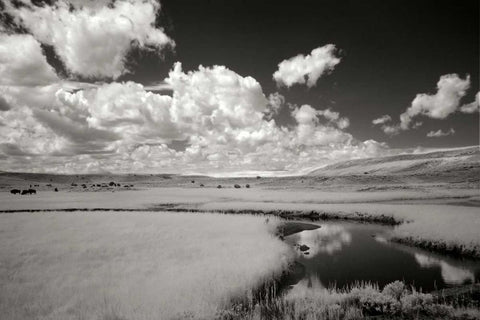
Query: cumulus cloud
x,y
275,103
307,69
383,119
93,40
391,129
472,107
122,127
450,90
439,133
22,62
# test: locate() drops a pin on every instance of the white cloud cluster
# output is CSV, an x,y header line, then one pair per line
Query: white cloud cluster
x,y
450,90
93,40
307,69
275,103
224,120
122,127
440,133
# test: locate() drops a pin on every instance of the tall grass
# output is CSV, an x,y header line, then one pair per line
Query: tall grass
x,y
139,265
310,300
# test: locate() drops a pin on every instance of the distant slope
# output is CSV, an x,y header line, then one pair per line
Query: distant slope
x,y
437,163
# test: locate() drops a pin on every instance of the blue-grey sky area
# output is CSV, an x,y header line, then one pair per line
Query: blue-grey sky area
x,y
233,86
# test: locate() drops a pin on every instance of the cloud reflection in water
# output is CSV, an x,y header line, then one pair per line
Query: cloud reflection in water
x,y
450,274
327,239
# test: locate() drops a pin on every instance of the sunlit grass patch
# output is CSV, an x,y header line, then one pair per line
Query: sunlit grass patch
x,y
139,265
310,300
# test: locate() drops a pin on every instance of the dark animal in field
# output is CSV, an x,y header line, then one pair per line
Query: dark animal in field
x,y
73,184
193,181
49,185
258,177
15,191
111,184
29,191
219,186
237,186
56,189
247,186
202,185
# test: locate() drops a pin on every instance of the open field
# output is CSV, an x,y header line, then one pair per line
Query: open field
x,y
77,262
138,265
424,217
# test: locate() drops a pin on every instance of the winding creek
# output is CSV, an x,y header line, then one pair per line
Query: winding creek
x,y
343,253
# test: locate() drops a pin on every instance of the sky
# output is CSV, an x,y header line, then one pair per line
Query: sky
x,y
232,87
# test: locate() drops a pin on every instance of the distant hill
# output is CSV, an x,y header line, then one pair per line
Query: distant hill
x,y
432,163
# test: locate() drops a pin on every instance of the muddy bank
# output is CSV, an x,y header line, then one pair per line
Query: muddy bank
x,y
287,228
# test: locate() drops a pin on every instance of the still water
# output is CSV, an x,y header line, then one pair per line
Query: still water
x,y
343,253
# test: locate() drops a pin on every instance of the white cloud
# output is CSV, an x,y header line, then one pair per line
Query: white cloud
x,y
307,69
93,40
334,117
22,62
383,119
122,127
472,107
391,129
275,103
450,90
440,133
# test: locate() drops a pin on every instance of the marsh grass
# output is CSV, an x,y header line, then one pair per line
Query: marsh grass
x,y
135,265
358,301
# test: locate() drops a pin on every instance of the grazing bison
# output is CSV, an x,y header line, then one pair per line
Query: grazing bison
x,y
29,191
219,186
237,186
56,189
112,184
15,191
247,186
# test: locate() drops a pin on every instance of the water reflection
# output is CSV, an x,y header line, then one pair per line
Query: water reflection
x,y
342,254
451,274
306,287
327,239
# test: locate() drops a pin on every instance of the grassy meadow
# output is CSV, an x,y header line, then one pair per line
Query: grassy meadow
x,y
76,253
136,265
